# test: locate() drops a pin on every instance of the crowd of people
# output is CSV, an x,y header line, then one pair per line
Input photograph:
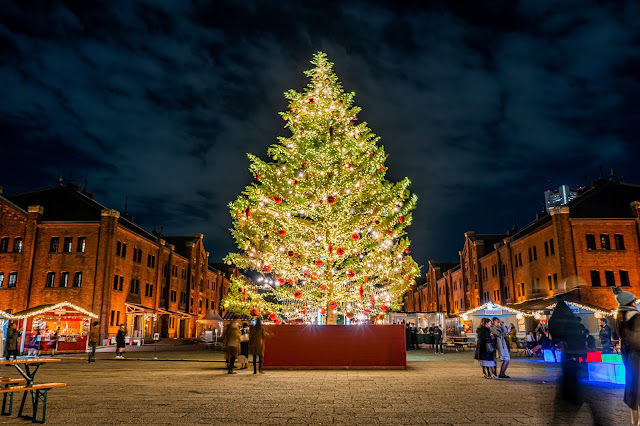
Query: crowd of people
x,y
412,332
242,341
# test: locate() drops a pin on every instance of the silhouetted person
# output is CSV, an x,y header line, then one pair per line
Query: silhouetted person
x,y
407,336
414,337
571,394
437,339
628,325
605,336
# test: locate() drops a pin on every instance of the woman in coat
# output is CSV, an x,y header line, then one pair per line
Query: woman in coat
x,y
12,341
628,324
485,350
501,333
257,337
231,340
120,345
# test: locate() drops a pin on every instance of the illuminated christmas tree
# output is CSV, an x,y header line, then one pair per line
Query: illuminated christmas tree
x,y
321,231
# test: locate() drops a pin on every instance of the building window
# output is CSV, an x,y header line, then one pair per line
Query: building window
x,y
546,248
17,245
1,279
624,278
13,279
121,249
521,289
604,242
64,279
591,242
82,244
116,279
610,278
66,247
137,255
135,286
77,279
53,246
550,282
113,317
555,281
148,290
174,295
117,318
51,279
551,248
618,239
151,261
4,245
595,278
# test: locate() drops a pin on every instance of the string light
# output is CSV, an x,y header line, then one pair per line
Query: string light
x,y
53,308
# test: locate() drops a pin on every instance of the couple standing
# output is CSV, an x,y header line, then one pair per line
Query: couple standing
x,y
235,339
491,345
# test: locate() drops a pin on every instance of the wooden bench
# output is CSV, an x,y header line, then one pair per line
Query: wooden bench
x,y
6,382
38,392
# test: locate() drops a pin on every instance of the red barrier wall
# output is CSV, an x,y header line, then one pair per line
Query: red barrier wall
x,y
336,346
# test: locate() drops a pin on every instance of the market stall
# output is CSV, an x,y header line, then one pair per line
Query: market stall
x,y
64,325
210,326
470,320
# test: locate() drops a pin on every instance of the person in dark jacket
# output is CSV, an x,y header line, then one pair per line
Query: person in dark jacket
x,y
407,336
605,336
628,325
94,337
12,341
485,350
437,339
571,393
120,344
414,337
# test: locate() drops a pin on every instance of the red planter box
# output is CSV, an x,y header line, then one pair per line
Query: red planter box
x,y
336,346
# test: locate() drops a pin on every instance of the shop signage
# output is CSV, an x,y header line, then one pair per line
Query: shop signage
x,y
493,311
156,336
59,312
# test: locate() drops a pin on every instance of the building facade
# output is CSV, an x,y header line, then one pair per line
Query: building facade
x,y
583,248
59,244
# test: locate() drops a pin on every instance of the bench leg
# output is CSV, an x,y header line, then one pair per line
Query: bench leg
x,y
6,412
24,397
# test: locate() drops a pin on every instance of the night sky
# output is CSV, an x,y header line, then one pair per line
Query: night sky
x,y
483,105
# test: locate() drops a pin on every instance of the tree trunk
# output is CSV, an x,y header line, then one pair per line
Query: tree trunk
x,y
332,316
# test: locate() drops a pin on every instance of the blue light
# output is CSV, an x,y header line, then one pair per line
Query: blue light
x,y
549,356
606,372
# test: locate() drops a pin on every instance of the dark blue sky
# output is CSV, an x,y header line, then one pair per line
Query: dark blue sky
x,y
483,105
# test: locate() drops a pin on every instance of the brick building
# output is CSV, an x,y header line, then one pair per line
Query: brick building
x,y
59,244
582,249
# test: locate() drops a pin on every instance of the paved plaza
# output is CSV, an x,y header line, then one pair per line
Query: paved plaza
x,y
188,385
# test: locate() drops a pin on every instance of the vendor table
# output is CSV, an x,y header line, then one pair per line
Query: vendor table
x,y
28,375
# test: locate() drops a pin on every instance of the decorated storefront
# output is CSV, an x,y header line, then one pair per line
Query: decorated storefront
x,y
63,327
141,323
521,320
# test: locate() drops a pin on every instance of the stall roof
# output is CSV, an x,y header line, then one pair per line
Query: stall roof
x,y
177,314
210,316
41,309
136,307
571,297
491,305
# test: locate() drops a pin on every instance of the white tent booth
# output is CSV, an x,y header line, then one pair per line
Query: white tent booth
x,y
419,319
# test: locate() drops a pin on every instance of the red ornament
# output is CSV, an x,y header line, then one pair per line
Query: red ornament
x,y
306,273
366,279
333,304
361,291
238,214
382,169
297,294
351,273
323,287
331,199
388,232
340,251
291,253
272,316
408,278
244,295
278,200
266,269
318,262
355,237
350,315
373,302
312,101
254,312
259,176
323,311
339,101
314,275
248,212
367,310
296,182
347,165
400,219
330,248
407,251
377,222
350,121
277,321
281,280
282,232
384,308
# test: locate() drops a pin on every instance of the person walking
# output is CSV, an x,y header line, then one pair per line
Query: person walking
x,y
485,349
120,343
53,342
628,326
407,336
231,340
414,337
243,359
257,340
605,336
501,333
94,336
512,337
437,338
12,341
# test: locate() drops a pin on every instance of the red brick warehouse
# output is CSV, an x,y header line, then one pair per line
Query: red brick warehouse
x,y
589,245
59,244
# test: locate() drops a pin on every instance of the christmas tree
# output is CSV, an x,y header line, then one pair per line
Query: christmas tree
x,y
321,231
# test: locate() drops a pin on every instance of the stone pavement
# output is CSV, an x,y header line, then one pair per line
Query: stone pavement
x,y
437,389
